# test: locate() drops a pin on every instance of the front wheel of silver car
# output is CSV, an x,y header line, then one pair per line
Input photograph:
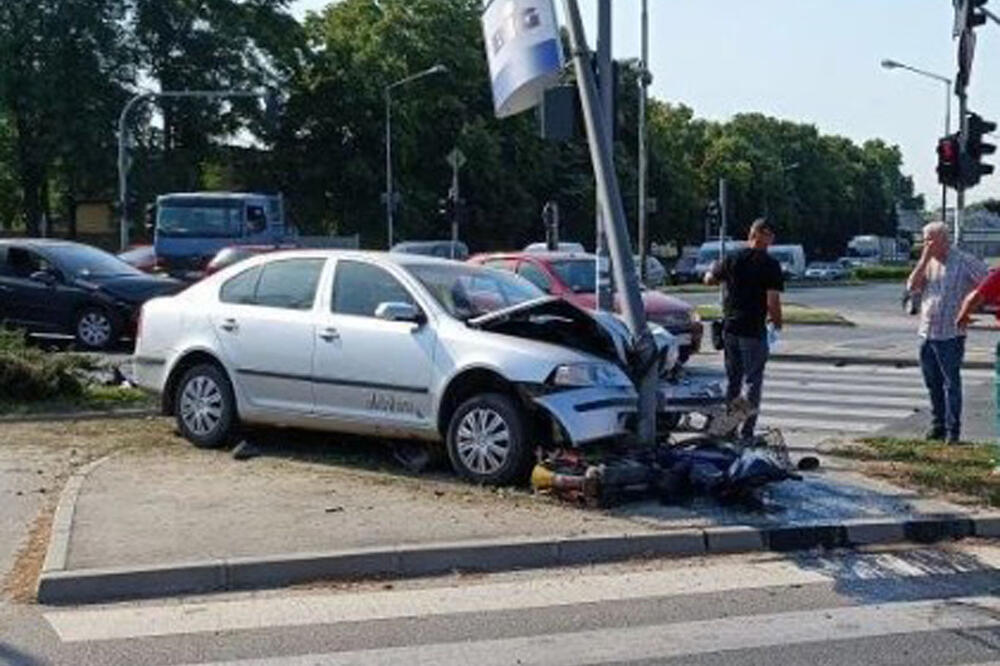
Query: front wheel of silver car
x,y
205,407
486,440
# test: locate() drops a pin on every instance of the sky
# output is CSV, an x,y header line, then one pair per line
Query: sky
x,y
812,61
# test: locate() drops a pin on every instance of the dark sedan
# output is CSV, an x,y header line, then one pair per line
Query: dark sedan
x,y
50,286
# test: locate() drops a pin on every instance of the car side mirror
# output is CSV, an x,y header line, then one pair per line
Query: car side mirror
x,y
45,277
399,311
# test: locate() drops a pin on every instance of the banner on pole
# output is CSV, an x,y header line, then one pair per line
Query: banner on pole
x,y
523,50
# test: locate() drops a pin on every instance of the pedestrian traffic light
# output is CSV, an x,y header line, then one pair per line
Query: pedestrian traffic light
x,y
948,152
975,149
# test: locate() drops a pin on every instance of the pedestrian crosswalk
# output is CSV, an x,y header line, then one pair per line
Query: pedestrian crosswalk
x,y
854,608
851,399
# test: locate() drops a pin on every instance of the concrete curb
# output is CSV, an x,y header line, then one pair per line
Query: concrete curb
x,y
62,520
136,413
101,585
868,361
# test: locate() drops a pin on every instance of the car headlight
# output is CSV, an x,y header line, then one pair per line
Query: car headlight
x,y
590,374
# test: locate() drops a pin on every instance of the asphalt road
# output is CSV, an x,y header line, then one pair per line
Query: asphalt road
x,y
908,606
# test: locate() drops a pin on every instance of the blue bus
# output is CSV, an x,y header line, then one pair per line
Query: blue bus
x,y
190,228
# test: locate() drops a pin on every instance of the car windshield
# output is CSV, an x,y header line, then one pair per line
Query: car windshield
x,y
84,261
820,266
204,219
580,275
466,292
783,256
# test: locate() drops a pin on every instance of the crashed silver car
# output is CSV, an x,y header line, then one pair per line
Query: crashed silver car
x,y
397,346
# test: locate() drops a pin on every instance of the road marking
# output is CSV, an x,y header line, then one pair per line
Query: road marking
x,y
184,618
677,639
826,410
840,400
832,387
771,418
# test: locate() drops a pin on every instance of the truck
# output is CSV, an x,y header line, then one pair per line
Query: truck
x,y
190,228
869,250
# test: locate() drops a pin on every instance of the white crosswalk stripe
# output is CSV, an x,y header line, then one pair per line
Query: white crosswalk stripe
x,y
344,613
856,400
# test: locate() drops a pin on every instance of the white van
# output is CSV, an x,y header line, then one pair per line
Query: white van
x,y
792,259
708,254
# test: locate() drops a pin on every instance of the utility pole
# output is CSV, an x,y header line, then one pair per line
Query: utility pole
x,y
605,73
643,156
723,223
599,140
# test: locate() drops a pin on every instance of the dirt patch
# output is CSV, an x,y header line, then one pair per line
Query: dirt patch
x,y
21,582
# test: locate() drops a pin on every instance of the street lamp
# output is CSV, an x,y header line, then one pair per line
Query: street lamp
x,y
892,64
122,130
389,203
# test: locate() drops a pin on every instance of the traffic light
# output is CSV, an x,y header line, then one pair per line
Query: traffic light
x,y
948,152
975,149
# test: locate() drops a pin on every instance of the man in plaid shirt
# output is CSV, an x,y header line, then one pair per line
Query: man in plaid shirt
x,y
944,276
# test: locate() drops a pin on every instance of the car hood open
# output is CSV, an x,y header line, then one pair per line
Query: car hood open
x,y
556,321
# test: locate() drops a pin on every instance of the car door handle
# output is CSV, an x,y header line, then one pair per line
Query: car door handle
x,y
229,325
329,334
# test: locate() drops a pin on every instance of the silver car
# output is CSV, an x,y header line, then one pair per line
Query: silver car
x,y
399,346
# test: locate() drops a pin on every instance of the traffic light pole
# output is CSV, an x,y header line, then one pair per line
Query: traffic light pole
x,y
599,140
963,125
604,68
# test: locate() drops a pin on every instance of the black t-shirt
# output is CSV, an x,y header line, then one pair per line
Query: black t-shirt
x,y
748,275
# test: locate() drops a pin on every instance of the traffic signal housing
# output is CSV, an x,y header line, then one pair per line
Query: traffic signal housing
x,y
949,159
976,148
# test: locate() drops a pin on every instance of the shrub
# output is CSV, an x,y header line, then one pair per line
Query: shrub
x,y
28,374
884,272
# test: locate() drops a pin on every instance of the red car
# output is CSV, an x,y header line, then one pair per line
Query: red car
x,y
572,276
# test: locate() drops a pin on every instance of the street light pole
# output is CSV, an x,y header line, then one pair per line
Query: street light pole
x,y
390,204
122,130
892,64
643,156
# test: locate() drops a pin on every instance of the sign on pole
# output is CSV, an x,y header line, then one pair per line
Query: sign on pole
x,y
456,158
524,52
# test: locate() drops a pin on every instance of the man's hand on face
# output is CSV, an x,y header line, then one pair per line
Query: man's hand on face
x,y
932,246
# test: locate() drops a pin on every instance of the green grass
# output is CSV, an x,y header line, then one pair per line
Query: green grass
x,y
964,469
885,273
94,398
793,315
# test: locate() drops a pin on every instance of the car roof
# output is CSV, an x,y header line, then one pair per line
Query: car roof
x,y
398,258
42,242
542,256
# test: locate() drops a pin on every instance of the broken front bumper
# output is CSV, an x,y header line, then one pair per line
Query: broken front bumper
x,y
596,413
692,390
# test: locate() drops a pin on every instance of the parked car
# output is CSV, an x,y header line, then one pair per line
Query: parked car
x,y
49,286
573,276
456,250
684,271
396,345
709,253
820,270
563,247
142,257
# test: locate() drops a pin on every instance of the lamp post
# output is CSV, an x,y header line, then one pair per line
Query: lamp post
x,y
122,130
389,203
892,64
644,82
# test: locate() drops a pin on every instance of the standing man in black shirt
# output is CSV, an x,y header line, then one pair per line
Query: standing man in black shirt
x,y
753,285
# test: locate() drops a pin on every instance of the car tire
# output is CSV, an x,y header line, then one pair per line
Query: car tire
x,y
95,328
486,441
205,407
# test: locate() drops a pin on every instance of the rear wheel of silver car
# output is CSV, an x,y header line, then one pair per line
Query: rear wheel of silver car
x,y
486,440
95,328
205,407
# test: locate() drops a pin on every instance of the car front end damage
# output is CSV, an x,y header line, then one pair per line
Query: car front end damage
x,y
598,401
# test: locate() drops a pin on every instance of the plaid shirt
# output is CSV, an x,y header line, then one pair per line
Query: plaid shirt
x,y
947,286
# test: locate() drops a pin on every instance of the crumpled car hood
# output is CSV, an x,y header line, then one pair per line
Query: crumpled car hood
x,y
556,321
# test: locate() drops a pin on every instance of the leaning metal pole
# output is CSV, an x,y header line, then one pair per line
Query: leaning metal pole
x,y
622,263
643,225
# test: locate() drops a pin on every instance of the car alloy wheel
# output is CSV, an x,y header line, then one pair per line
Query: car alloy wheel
x,y
94,328
487,442
205,407
201,406
483,441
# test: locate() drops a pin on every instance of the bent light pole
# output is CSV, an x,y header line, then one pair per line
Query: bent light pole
x,y
122,130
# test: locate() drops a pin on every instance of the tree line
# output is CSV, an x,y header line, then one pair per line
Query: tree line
x,y
73,64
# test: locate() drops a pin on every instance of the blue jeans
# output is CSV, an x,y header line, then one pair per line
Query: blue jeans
x,y
941,363
745,361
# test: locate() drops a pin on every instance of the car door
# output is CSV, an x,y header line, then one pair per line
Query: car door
x,y
265,325
31,303
367,369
